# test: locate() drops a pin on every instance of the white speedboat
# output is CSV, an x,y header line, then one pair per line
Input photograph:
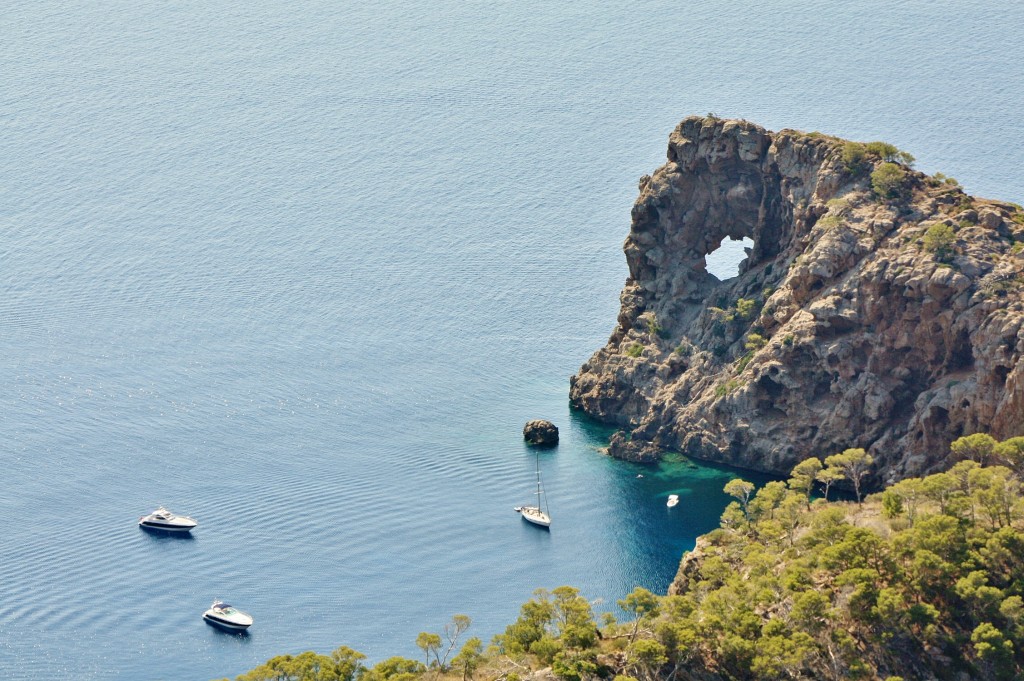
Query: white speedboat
x,y
226,616
673,499
162,519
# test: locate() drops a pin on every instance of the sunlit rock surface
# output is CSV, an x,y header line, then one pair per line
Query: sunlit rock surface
x,y
843,329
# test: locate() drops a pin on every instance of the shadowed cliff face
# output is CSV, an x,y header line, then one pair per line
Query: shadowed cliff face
x,y
842,330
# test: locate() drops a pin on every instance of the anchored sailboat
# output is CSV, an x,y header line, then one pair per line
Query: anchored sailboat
x,y
538,515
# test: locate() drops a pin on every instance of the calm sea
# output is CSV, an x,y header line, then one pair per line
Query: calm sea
x,y
303,270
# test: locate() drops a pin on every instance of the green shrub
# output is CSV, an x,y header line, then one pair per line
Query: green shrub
x,y
882,150
889,152
755,342
853,157
743,361
545,648
746,308
830,221
574,666
719,313
743,310
840,206
724,389
887,180
653,327
939,239
992,648
635,350
394,669
892,504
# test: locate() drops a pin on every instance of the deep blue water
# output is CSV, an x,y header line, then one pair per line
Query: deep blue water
x,y
304,270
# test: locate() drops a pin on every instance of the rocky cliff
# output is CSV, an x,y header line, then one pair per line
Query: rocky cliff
x,y
878,308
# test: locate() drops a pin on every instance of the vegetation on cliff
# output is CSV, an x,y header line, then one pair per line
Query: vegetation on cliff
x,y
924,580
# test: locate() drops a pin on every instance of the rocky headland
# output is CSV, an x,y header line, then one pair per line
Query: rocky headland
x,y
878,307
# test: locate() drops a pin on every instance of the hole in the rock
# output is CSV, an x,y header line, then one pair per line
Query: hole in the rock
x,y
772,388
724,261
939,416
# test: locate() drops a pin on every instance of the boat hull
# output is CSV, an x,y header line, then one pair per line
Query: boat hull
x,y
165,528
536,517
227,626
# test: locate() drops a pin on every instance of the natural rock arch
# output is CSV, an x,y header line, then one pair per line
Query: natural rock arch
x,y
840,331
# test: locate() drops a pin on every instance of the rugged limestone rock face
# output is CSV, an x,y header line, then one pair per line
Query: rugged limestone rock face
x,y
847,327
541,433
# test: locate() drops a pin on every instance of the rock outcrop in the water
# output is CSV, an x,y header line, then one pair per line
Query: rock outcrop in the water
x,y
893,324
540,432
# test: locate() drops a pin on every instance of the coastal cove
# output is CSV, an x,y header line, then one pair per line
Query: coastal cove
x,y
305,275
298,557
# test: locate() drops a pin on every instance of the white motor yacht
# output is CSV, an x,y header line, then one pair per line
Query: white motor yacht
x,y
673,499
162,519
226,616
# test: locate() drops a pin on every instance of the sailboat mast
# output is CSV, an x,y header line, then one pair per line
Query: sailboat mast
x,y
541,504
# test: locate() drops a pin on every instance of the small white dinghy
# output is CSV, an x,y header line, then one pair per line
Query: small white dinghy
x,y
225,616
164,520
673,499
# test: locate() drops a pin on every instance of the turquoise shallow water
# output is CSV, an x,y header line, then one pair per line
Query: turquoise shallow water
x,y
303,272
